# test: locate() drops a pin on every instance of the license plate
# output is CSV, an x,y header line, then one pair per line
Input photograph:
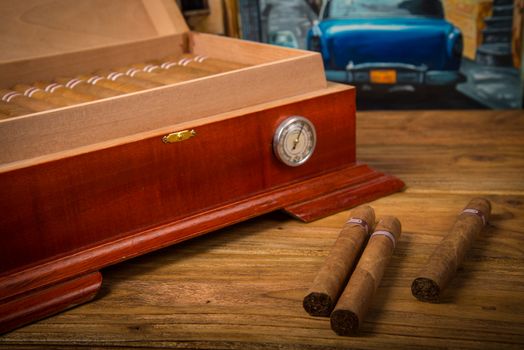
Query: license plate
x,y
383,76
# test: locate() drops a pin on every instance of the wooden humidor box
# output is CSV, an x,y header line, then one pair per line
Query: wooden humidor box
x,y
93,184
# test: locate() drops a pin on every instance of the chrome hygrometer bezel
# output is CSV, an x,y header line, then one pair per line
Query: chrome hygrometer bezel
x,y
294,141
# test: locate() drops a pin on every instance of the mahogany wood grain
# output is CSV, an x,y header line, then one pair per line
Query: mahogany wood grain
x,y
78,214
73,203
242,287
41,303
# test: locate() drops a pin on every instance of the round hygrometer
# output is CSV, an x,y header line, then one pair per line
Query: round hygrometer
x,y
294,141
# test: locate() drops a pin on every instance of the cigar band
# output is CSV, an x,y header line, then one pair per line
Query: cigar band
x,y
200,59
387,234
52,87
10,95
30,91
72,83
477,213
150,68
94,79
114,75
360,222
132,71
184,61
168,65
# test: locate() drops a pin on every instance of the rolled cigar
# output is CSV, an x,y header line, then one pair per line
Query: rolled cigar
x,y
333,275
126,79
353,304
109,84
24,101
39,94
210,64
442,265
61,90
149,72
10,110
82,86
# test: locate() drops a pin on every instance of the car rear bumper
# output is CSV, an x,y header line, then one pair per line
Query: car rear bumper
x,y
402,74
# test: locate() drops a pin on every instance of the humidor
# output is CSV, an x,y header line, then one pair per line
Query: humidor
x,y
95,183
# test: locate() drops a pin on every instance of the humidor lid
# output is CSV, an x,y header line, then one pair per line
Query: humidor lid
x,y
35,28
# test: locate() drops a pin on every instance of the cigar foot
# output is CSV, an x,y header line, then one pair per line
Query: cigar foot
x,y
344,322
425,289
318,304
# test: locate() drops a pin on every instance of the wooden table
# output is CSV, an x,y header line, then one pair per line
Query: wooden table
x,y
242,287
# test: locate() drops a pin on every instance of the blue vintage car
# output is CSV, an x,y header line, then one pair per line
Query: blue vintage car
x,y
393,44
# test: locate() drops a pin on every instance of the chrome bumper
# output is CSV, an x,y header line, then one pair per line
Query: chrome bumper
x,y
406,74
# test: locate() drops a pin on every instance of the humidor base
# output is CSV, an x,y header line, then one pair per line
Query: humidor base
x,y
48,288
48,300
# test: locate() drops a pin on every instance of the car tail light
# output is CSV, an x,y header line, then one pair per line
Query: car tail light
x,y
458,46
314,43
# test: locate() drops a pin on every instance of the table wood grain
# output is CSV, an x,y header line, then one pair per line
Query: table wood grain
x,y
242,287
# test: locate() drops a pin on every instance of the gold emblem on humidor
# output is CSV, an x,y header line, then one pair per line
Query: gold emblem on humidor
x,y
179,136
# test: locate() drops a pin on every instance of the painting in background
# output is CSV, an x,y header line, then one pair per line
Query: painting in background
x,y
491,31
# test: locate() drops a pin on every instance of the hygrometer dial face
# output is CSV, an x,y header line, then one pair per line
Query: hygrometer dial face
x,y
294,141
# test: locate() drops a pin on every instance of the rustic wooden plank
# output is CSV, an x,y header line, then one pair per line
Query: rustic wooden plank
x,y
242,287
441,128
455,151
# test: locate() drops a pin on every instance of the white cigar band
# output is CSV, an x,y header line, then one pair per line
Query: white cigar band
x,y
72,83
200,59
150,68
168,65
475,212
30,91
132,71
52,87
359,222
184,61
114,75
387,234
10,95
94,79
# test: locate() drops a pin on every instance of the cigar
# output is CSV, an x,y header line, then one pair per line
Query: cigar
x,y
126,79
19,99
81,86
10,110
61,90
333,275
39,94
183,72
212,65
149,72
353,304
449,254
109,84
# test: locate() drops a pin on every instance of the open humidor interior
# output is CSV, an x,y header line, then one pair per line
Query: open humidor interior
x,y
257,74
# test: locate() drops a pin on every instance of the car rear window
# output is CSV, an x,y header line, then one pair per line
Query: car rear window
x,y
383,8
